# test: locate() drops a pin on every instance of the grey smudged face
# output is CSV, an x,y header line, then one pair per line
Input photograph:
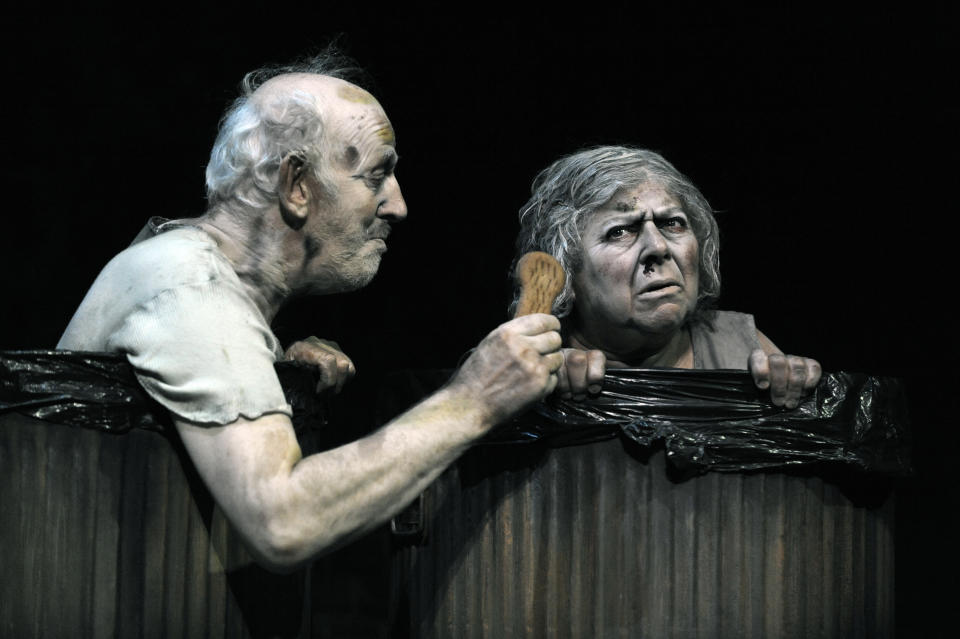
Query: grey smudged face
x,y
640,268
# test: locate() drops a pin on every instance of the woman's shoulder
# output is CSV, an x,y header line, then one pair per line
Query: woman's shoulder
x,y
723,339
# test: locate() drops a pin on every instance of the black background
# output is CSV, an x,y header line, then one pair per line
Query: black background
x,y
826,141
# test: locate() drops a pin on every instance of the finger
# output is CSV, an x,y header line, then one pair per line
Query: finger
x,y
329,344
551,384
563,383
327,367
291,352
553,361
308,349
321,346
544,343
533,324
345,365
759,368
814,373
796,377
779,375
596,370
345,372
575,365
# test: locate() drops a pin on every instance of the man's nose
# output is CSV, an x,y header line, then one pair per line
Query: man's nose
x,y
392,207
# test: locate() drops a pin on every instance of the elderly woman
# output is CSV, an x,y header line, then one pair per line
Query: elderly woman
x,y
639,244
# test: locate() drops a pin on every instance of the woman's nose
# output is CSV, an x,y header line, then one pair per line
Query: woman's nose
x,y
653,246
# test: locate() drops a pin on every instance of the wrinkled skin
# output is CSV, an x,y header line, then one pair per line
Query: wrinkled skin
x,y
333,365
514,366
635,290
320,240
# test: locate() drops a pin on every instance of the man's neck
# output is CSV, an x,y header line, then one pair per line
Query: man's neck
x,y
254,249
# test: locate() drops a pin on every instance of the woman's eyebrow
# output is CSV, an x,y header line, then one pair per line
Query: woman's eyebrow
x,y
670,210
625,211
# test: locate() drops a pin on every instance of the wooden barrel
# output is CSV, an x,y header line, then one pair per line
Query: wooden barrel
x,y
108,531
588,533
113,535
597,540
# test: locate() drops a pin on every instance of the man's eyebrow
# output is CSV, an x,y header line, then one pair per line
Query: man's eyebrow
x,y
388,160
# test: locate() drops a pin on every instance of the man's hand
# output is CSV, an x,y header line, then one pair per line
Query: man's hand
x,y
513,367
789,377
582,372
335,367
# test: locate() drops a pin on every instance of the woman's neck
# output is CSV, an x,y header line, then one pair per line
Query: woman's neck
x,y
675,352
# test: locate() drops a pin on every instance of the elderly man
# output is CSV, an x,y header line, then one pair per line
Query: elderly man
x,y
302,194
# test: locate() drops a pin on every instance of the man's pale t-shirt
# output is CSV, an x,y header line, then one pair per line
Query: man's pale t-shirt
x,y
197,342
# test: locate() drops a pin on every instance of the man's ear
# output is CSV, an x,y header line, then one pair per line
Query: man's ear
x,y
293,190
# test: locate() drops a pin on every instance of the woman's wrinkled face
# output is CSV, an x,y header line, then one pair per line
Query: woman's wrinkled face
x,y
640,267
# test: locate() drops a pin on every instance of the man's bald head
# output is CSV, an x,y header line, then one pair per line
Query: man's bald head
x,y
326,88
306,109
345,108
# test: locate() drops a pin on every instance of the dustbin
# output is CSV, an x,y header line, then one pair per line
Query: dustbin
x,y
677,504
106,529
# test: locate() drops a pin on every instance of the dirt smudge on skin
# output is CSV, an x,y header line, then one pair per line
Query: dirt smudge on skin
x,y
351,156
386,134
353,93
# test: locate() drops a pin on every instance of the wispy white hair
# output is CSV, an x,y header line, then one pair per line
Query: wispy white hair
x,y
254,136
572,188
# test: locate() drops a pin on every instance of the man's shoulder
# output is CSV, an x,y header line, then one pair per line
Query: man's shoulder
x,y
177,257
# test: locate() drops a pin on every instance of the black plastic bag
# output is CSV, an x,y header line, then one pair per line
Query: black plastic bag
x,y
719,420
100,391
707,420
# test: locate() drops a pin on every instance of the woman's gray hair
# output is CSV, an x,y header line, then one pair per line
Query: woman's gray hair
x,y
254,137
569,190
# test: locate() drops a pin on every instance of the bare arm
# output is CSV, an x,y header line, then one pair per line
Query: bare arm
x,y
289,508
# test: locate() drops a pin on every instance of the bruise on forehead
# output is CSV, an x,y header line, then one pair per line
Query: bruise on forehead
x,y
385,133
352,93
351,156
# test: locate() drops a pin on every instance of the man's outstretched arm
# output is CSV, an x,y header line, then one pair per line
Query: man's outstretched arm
x,y
290,508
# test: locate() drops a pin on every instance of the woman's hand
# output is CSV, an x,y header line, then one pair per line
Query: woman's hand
x,y
582,373
789,377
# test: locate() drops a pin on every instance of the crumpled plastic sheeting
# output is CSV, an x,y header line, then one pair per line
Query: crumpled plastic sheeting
x,y
100,391
95,390
708,420
719,420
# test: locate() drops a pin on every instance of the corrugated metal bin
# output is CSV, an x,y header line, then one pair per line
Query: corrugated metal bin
x,y
607,539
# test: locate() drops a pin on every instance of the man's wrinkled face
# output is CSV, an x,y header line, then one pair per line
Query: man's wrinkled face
x,y
640,266
351,228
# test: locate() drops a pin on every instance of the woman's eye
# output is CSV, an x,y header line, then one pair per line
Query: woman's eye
x,y
618,232
674,224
